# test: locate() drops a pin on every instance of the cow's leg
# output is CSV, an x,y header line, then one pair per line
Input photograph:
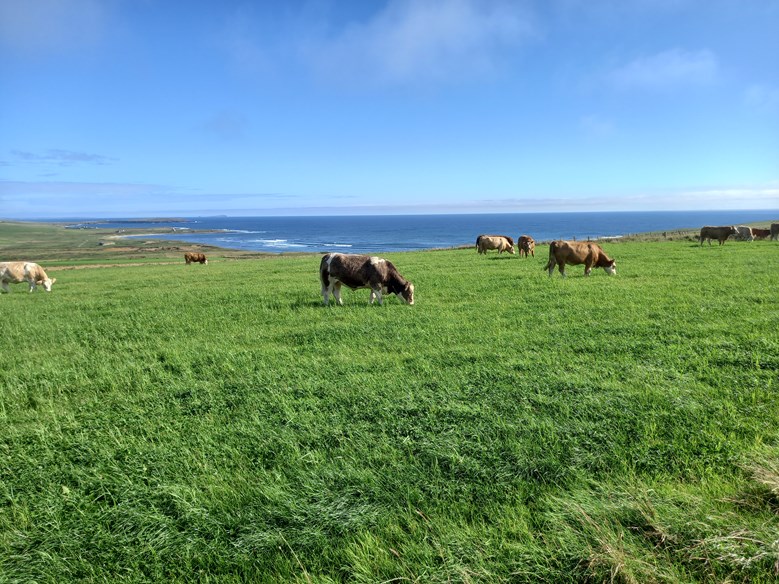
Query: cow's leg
x,y
32,284
561,267
550,265
4,284
376,293
587,268
337,293
326,294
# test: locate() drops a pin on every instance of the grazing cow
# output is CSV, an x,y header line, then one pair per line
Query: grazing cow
x,y
744,233
190,257
500,242
575,253
774,231
526,245
720,233
15,272
362,271
760,233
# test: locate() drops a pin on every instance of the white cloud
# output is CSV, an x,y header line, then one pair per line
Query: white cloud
x,y
423,40
61,157
668,69
45,26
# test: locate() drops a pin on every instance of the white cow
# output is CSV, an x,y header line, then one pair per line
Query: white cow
x,y
744,233
16,272
500,242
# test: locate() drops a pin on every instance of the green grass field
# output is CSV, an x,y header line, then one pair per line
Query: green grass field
x,y
218,424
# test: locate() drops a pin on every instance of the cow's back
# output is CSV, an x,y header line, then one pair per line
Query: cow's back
x,y
12,271
354,271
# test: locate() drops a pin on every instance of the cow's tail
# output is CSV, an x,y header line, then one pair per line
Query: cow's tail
x,y
552,249
324,274
478,239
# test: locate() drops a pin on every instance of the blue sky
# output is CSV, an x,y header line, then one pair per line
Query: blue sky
x,y
132,108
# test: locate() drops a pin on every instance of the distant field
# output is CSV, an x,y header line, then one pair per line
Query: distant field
x,y
217,423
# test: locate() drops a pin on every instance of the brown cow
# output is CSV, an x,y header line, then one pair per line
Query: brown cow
x,y
362,271
720,233
526,245
500,242
16,272
760,233
190,257
575,253
774,231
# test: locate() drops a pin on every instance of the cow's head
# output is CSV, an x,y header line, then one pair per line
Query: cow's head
x,y
47,283
510,249
733,230
611,268
407,293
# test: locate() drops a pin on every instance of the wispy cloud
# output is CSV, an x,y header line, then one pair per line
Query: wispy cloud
x,y
90,199
61,157
762,98
241,39
423,40
668,69
51,26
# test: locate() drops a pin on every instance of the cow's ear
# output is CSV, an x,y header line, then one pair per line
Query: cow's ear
x,y
53,280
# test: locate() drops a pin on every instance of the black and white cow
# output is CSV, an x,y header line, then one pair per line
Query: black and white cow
x,y
361,271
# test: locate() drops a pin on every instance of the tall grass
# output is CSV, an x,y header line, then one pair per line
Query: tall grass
x,y
217,423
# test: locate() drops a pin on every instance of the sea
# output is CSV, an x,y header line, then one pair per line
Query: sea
x,y
389,233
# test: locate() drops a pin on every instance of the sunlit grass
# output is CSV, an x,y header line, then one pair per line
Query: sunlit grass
x,y
172,422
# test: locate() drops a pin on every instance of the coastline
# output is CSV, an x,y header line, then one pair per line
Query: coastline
x,y
55,243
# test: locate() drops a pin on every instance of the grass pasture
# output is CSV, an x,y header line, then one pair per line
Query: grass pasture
x,y
217,423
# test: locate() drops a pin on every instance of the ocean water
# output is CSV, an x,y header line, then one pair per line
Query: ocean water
x,y
387,233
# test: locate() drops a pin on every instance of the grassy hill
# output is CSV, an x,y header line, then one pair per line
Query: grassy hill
x,y
217,423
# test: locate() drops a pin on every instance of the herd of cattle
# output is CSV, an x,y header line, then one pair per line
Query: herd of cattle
x,y
381,276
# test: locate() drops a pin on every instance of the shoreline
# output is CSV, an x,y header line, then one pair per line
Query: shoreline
x,y
53,243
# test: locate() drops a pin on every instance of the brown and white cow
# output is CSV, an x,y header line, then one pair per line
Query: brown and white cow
x,y
720,233
526,245
774,231
758,233
190,257
575,253
362,271
16,272
500,242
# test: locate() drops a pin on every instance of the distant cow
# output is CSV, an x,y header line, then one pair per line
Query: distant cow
x,y
575,253
720,233
774,231
362,271
500,242
744,233
15,272
760,233
526,245
190,257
